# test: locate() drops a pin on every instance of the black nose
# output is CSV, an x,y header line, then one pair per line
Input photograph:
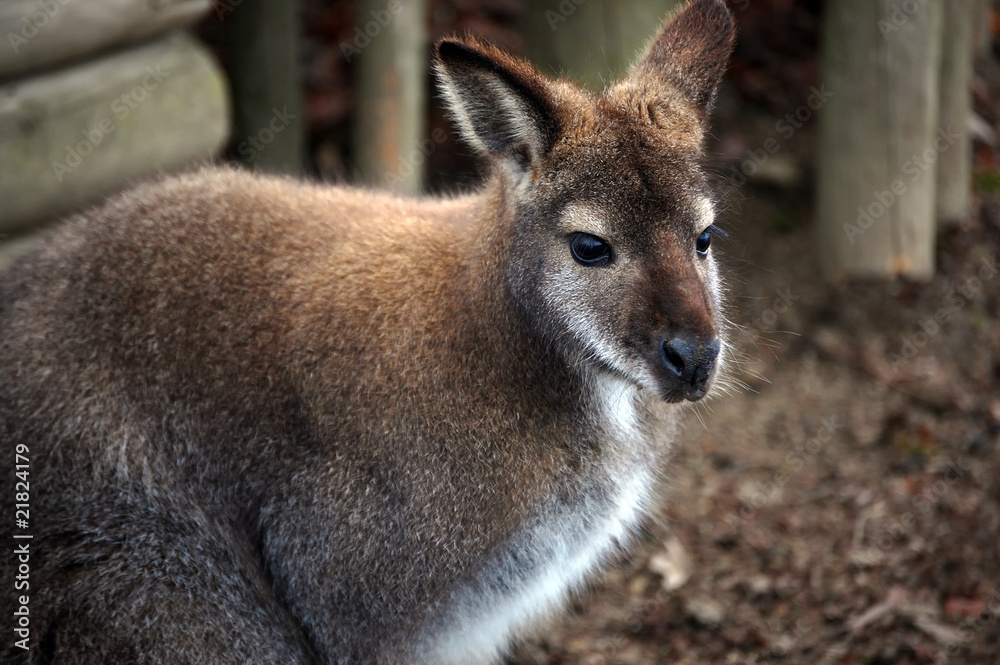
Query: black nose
x,y
691,360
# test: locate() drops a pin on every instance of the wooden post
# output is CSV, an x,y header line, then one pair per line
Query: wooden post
x,y
879,138
262,41
982,27
390,46
593,41
954,168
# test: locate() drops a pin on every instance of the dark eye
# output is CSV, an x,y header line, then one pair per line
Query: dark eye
x,y
705,239
589,250
703,243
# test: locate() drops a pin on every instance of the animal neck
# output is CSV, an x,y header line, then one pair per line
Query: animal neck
x,y
518,357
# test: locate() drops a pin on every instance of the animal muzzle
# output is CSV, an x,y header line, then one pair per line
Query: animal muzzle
x,y
689,362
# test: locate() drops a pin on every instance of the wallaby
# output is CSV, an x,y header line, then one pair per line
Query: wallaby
x,y
249,420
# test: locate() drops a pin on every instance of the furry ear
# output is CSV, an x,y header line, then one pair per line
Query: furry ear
x,y
691,52
503,107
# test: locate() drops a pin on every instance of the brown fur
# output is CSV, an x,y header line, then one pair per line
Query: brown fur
x,y
278,422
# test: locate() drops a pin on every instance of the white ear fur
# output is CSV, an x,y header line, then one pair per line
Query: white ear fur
x,y
501,106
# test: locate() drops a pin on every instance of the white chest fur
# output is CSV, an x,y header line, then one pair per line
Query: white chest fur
x,y
553,554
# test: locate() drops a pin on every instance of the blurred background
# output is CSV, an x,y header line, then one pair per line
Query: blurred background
x,y
842,505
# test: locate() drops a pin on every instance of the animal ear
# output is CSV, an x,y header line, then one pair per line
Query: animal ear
x,y
691,52
503,107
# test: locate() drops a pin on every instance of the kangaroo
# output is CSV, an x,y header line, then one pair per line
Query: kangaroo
x,y
251,420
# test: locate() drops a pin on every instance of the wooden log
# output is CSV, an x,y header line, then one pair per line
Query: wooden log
x,y
879,138
390,46
954,167
69,137
262,41
42,33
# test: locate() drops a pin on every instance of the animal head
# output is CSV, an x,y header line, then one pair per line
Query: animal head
x,y
607,249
